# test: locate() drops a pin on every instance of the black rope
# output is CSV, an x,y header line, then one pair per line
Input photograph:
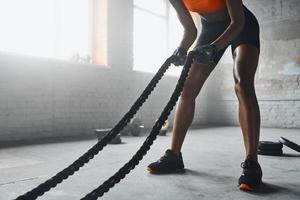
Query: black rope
x,y
86,157
134,161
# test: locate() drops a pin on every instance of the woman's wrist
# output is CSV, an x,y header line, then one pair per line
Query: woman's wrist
x,y
181,50
229,34
188,39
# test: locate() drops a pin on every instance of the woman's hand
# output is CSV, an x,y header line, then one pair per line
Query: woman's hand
x,y
236,13
205,54
180,54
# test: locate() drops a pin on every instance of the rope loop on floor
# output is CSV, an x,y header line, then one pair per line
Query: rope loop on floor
x,y
122,172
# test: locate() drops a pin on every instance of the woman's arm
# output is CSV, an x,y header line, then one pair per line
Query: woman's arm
x,y
185,18
236,13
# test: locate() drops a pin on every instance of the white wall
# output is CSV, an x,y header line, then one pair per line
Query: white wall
x,y
42,98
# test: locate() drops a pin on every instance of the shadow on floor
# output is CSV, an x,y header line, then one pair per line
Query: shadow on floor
x,y
287,155
290,155
265,189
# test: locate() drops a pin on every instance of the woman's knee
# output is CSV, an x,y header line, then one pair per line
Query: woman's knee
x,y
244,74
244,87
245,63
189,92
197,77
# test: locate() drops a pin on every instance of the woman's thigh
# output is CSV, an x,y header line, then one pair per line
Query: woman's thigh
x,y
195,80
245,63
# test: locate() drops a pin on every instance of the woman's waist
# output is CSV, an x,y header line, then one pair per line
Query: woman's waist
x,y
217,17
223,18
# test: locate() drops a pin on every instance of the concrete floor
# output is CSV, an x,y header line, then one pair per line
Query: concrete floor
x,y
212,157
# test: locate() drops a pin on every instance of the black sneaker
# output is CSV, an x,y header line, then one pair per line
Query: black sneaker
x,y
250,180
168,163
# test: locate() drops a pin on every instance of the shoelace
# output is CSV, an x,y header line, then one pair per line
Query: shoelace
x,y
245,165
164,157
248,167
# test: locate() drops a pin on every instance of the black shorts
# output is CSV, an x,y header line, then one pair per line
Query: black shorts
x,y
212,30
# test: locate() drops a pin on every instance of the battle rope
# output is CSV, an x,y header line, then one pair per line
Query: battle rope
x,y
123,171
76,165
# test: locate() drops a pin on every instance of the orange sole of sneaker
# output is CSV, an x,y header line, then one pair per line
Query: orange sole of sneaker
x,y
246,188
171,172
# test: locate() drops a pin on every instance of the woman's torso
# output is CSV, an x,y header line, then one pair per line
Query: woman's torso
x,y
209,10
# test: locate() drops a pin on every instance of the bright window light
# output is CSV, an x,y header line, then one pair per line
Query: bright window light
x,y
149,41
175,34
47,28
155,6
157,33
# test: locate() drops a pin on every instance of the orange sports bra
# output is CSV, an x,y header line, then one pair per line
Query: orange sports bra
x,y
204,6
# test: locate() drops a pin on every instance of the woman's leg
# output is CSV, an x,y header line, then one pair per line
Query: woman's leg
x,y
245,65
186,106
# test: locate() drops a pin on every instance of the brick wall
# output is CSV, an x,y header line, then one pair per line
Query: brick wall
x,y
278,75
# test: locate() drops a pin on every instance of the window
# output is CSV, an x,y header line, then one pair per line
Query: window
x,y
62,29
157,33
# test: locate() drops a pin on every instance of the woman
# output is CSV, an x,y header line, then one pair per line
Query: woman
x,y
224,23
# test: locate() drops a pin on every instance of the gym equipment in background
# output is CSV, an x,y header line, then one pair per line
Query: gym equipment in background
x,y
289,144
275,148
164,129
101,133
270,148
134,128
